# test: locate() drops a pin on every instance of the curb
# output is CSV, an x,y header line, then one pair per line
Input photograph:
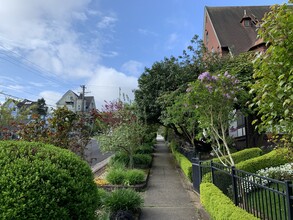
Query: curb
x,y
100,165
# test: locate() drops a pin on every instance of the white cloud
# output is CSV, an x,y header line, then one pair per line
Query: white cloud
x,y
79,16
107,22
15,87
48,34
37,84
110,54
51,97
42,32
107,84
147,32
133,68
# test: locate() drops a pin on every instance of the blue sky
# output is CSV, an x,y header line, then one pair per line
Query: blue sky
x,y
49,47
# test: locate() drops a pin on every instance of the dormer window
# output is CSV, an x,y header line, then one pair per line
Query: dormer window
x,y
246,20
247,23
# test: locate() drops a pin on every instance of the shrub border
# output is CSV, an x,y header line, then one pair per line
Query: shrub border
x,y
219,206
274,158
183,162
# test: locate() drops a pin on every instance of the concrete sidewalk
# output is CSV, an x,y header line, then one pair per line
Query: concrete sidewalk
x,y
168,195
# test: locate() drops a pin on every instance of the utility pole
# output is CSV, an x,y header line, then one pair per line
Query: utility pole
x,y
82,97
119,94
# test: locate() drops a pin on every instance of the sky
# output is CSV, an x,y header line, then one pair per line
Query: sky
x,y
50,47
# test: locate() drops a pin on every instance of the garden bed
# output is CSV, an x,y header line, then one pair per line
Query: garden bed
x,y
103,183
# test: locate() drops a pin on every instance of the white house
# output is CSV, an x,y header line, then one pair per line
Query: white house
x,y
77,103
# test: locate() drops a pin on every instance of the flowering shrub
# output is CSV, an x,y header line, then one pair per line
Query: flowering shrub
x,y
213,97
283,172
223,84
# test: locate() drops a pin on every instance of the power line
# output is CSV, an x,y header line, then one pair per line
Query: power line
x,y
18,98
32,67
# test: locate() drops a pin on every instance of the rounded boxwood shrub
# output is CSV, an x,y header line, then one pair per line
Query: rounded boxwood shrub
x,y
40,181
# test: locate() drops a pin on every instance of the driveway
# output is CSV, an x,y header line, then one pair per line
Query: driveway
x,y
93,154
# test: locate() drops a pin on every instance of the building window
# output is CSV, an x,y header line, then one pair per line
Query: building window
x,y
246,23
240,124
237,127
207,37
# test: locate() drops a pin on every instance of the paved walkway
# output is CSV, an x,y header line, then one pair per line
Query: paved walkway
x,y
168,196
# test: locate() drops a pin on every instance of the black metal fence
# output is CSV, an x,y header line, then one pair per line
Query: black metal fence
x,y
263,197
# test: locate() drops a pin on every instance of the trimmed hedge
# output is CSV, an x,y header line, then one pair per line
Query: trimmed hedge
x,y
272,159
240,155
182,161
40,181
243,155
219,206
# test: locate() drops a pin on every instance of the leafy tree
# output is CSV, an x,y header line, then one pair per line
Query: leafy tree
x,y
152,83
65,129
273,85
166,76
121,130
212,97
126,138
7,123
113,114
181,117
41,108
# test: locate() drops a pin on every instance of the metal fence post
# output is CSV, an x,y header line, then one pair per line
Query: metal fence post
x,y
289,199
234,185
196,179
199,172
212,172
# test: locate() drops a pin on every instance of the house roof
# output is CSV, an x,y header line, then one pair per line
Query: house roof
x,y
25,103
89,100
67,93
229,30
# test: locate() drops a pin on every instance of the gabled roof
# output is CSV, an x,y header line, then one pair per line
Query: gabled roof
x,y
89,100
229,30
8,101
66,94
